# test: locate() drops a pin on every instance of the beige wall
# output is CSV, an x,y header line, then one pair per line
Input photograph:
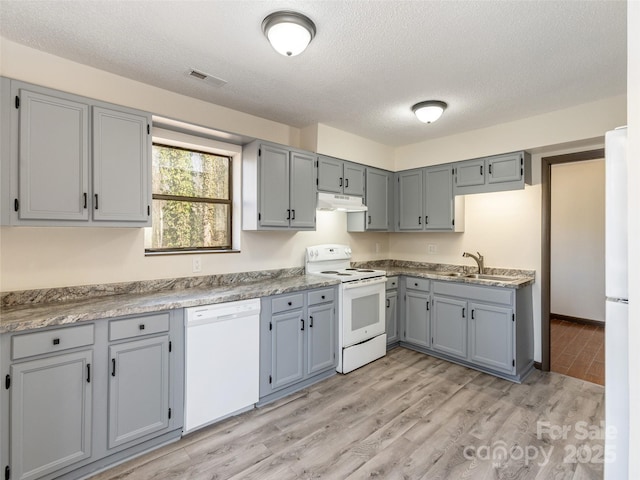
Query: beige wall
x,y
577,239
340,144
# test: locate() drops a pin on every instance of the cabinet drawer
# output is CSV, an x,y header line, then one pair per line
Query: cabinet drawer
x,y
139,326
290,302
392,283
421,284
321,296
504,296
37,343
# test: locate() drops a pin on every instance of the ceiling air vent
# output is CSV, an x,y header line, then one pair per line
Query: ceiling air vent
x,y
205,77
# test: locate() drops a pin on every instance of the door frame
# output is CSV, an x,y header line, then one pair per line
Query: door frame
x,y
545,274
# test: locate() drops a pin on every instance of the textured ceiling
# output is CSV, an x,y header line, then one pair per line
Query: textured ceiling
x,y
491,61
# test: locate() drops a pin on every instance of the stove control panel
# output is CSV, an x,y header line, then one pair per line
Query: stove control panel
x,y
321,253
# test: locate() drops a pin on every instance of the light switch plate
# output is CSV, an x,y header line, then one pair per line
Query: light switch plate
x,y
432,248
197,264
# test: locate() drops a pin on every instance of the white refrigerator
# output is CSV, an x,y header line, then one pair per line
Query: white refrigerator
x,y
617,307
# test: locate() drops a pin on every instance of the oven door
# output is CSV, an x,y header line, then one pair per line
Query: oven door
x,y
362,310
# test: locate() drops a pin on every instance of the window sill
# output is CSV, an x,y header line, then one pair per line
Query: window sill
x,y
150,253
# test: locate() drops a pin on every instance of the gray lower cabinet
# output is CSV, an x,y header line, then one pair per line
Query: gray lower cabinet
x,y
340,176
491,336
417,312
83,397
279,187
51,413
449,326
138,389
298,341
391,312
73,160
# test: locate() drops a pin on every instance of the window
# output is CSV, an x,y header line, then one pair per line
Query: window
x,y
192,200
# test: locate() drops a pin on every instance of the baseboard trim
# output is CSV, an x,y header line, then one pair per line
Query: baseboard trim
x,y
583,321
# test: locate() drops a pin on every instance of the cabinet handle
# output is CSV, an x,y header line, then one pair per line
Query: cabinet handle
x,y
310,321
463,311
56,341
340,181
96,204
426,219
293,214
473,313
481,167
141,326
369,221
88,373
489,169
113,367
419,220
302,321
322,297
427,305
288,214
289,303
388,303
416,284
346,183
85,199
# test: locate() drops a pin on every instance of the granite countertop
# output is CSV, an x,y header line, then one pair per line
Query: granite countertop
x,y
39,315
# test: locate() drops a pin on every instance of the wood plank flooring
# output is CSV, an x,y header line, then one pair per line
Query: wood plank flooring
x,y
577,350
405,416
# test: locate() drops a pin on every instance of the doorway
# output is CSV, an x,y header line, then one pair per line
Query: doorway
x,y
573,265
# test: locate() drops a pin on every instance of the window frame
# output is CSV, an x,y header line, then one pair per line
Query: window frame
x,y
180,198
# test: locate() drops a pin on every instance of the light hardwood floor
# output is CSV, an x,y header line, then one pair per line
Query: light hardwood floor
x,y
405,416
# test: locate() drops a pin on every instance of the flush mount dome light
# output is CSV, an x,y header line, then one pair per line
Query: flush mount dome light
x,y
429,111
288,32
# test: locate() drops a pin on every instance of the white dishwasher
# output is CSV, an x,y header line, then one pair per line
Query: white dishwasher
x,y
222,355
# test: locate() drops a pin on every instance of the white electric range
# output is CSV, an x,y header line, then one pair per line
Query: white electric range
x,y
361,313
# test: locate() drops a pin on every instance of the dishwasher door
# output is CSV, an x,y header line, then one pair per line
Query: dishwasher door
x,y
221,361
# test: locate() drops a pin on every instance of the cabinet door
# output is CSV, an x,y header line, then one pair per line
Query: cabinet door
x,y
417,327
411,200
53,157
470,173
449,326
353,179
391,314
287,358
321,338
120,166
438,196
50,414
505,168
492,336
138,389
330,177
303,190
377,199
274,187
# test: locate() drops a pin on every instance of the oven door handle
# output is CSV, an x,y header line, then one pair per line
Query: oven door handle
x,y
363,283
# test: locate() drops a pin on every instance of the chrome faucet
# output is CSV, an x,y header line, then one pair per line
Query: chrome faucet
x,y
479,260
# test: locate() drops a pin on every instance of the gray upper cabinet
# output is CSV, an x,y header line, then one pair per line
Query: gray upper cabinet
x,y
497,173
279,188
379,200
410,200
53,158
51,413
120,179
425,201
138,389
438,198
70,156
339,176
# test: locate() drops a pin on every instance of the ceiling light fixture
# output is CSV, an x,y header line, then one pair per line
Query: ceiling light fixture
x,y
429,111
288,32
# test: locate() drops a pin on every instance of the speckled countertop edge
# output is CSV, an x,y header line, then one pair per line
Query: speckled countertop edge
x,y
34,316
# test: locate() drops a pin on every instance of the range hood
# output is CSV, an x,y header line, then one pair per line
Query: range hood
x,y
342,203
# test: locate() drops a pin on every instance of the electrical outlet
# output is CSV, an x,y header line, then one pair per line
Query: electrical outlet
x,y
432,249
197,264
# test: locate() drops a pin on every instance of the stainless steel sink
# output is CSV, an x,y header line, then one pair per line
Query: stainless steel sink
x,y
450,274
482,276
